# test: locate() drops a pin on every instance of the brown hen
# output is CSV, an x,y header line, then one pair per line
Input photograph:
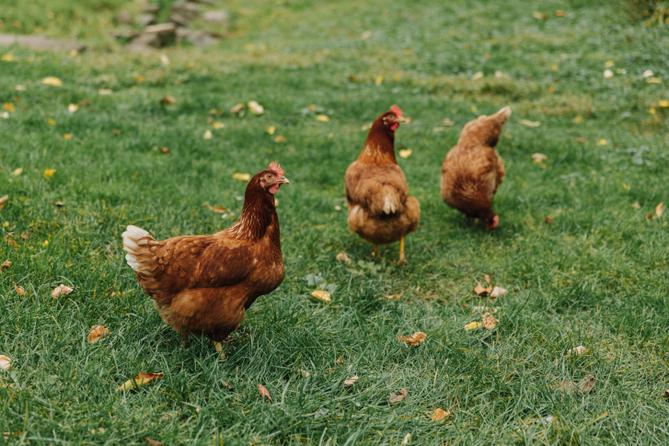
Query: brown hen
x,y
380,208
203,284
473,170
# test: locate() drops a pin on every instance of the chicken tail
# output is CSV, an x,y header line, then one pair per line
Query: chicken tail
x,y
391,200
135,243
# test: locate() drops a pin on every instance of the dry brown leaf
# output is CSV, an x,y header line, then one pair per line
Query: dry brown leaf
x,y
264,392
666,393
343,258
394,297
498,291
151,442
350,381
399,396
216,209
322,295
481,290
16,172
539,158
489,321
548,219
413,340
164,150
587,384
280,139
168,100
659,210
61,290
241,176
141,379
256,108
3,201
579,350
237,108
96,333
9,107
52,81
474,325
560,13
5,362
440,414
19,290
6,264
405,153
528,123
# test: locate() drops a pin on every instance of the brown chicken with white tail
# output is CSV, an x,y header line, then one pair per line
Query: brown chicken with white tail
x,y
380,208
473,170
203,284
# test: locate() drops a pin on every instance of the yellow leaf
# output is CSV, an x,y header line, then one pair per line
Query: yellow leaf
x,y
378,80
216,209
489,321
72,108
560,13
3,201
52,81
481,290
602,142
68,136
440,414
264,392
475,325
659,210
217,125
539,15
271,130
61,290
663,103
239,176
5,362
256,108
7,57
207,134
350,381
528,123
45,243
405,153
578,119
413,340
539,158
579,350
237,108
478,75
609,64
16,172
96,333
280,139
343,258
20,291
141,379
322,295
49,172
51,122
9,107
322,118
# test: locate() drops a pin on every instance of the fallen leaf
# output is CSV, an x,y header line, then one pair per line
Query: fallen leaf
x,y
659,209
343,258
648,73
164,150
528,123
440,414
663,103
407,439
608,74
256,108
539,15
52,81
19,290
447,122
474,325
636,205
72,108
7,264
7,57
240,176
378,80
96,333
16,172
237,108
399,396
587,384
104,92
322,118
498,292
141,379
549,220
151,442
270,130
478,75
61,290
322,295
394,297
207,134
666,393
489,321
579,350
560,13
482,291
5,362
280,139
405,153
3,201
602,142
413,340
216,209
8,107
264,392
49,172
168,100
68,136
217,125
4,115
350,381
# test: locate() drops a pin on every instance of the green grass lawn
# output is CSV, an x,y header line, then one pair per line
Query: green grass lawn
x,y
597,276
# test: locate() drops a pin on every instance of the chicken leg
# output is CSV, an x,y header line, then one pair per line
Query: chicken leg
x,y
402,256
376,252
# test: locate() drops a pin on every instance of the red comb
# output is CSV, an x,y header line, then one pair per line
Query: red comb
x,y
398,111
274,167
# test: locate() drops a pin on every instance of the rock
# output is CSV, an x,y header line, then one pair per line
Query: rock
x,y
187,10
219,16
143,20
204,2
151,8
157,36
197,38
124,18
178,19
41,42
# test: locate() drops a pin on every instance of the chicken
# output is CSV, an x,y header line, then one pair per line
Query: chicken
x,y
473,170
380,208
202,284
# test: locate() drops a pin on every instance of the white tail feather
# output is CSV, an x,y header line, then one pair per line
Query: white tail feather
x,y
134,241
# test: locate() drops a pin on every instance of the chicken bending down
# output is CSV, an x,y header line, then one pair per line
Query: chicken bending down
x,y
473,170
380,208
203,284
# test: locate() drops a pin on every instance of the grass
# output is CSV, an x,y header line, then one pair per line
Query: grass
x,y
596,276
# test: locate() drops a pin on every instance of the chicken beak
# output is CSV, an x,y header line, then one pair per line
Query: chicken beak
x,y
282,180
402,120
